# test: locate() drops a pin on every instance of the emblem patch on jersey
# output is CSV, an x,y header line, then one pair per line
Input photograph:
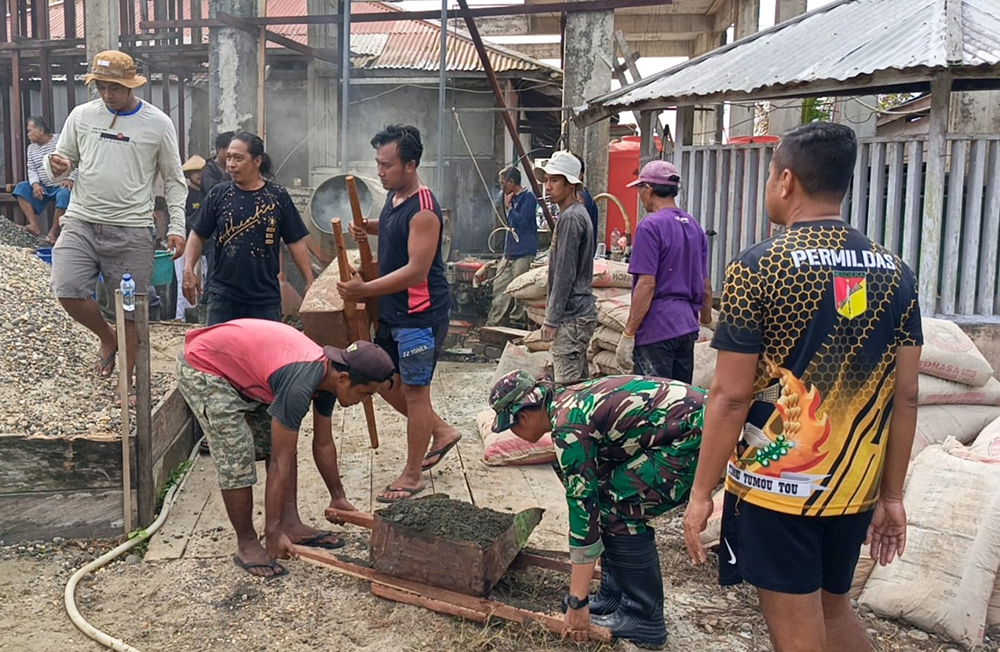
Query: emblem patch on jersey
x,y
850,291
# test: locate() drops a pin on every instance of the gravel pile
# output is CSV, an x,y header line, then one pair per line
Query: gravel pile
x,y
47,384
12,236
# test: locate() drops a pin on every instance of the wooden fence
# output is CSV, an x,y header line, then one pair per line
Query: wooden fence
x,y
724,188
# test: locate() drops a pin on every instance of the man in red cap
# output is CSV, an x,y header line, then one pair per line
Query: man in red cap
x,y
250,382
670,284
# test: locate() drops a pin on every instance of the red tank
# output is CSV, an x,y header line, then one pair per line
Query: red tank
x,y
623,169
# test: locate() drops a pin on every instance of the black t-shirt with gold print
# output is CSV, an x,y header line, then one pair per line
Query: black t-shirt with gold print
x,y
248,227
826,309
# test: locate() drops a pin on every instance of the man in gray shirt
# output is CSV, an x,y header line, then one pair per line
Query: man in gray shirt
x,y
570,312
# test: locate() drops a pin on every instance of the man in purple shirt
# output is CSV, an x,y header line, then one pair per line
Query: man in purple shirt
x,y
670,284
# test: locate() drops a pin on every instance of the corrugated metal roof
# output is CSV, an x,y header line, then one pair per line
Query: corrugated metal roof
x,y
381,45
820,50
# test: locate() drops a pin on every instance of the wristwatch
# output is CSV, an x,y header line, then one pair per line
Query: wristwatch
x,y
574,602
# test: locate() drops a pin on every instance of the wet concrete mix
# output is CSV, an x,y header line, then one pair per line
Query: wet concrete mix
x,y
450,519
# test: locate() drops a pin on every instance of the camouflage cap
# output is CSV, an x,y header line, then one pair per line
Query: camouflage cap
x,y
514,391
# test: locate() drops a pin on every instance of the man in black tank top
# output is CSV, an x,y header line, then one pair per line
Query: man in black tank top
x,y
414,302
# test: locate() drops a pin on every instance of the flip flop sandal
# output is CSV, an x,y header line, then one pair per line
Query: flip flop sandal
x,y
106,366
317,541
440,453
280,571
406,490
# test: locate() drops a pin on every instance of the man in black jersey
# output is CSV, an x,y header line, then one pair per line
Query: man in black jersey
x,y
414,301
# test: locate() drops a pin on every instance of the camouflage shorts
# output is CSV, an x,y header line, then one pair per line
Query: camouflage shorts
x,y
238,430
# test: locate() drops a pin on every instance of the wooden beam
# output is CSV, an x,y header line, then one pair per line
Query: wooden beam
x,y
17,122
126,432
181,117
144,461
246,24
479,12
932,224
661,48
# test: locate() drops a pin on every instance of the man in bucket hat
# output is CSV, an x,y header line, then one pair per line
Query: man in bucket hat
x,y
118,144
570,309
670,285
250,383
627,448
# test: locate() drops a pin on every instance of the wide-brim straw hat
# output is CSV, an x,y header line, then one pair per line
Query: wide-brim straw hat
x,y
114,67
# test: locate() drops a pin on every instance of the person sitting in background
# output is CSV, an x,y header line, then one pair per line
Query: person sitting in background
x,y
249,217
519,249
250,383
192,169
627,447
670,285
34,194
570,312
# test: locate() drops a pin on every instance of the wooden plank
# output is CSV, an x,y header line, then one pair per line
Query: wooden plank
x,y
709,212
876,194
913,207
175,454
555,624
500,335
987,302
58,464
894,199
748,225
172,541
67,514
396,595
953,225
168,418
968,274
719,249
732,235
70,66
695,195
144,460
859,193
932,222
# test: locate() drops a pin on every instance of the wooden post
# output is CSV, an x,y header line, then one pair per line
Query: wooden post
x,y
145,487
17,117
356,323
932,225
181,117
369,269
45,72
126,429
70,66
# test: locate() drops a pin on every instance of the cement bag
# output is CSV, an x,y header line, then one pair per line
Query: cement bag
x,y
507,449
607,365
613,313
987,444
944,581
534,342
607,339
611,274
536,304
611,293
938,391
535,315
704,365
935,423
862,572
538,364
530,285
949,353
713,531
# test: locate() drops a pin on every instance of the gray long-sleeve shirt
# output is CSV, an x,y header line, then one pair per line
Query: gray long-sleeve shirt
x,y
571,268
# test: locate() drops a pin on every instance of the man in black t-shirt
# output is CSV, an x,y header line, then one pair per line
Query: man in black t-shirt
x,y
414,302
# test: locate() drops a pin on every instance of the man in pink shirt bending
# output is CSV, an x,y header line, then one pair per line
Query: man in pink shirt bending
x,y
250,382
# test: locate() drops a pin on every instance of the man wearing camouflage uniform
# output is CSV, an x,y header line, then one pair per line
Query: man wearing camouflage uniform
x,y
627,448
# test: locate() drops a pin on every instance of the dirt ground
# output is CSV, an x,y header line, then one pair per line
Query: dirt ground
x,y
194,603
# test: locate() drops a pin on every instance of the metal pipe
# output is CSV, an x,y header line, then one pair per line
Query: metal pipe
x,y
442,94
484,58
345,77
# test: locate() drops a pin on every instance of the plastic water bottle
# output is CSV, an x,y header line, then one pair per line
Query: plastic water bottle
x,y
128,293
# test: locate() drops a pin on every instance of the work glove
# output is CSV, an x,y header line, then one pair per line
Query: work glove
x,y
623,353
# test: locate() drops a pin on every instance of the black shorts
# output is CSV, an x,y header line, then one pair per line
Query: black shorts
x,y
786,553
414,351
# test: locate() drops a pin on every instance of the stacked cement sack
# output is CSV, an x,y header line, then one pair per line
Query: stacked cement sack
x,y
611,279
612,315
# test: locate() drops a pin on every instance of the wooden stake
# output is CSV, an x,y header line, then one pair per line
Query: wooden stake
x,y
123,382
356,323
145,487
